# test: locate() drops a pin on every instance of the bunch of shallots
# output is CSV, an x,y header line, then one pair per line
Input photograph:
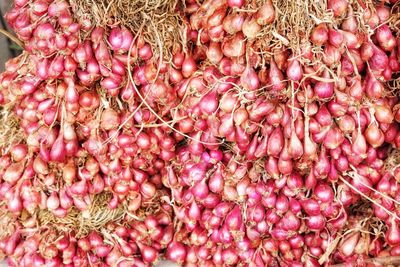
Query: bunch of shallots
x,y
246,145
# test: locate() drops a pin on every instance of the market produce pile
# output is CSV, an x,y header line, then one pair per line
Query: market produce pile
x,y
209,133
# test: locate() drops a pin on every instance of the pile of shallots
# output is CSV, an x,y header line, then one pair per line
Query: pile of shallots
x,y
240,148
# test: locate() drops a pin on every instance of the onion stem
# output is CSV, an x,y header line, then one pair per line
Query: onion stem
x,y
12,37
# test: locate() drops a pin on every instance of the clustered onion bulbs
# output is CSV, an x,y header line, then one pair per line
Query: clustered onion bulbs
x,y
237,148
